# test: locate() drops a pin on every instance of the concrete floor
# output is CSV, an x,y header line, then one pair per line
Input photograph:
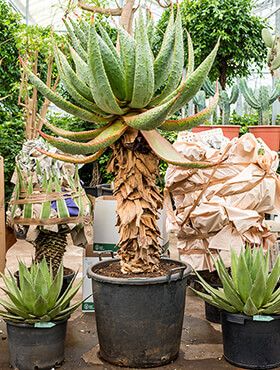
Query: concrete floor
x,y
201,346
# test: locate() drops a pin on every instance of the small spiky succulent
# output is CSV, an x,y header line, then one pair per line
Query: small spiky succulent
x,y
250,288
262,101
37,299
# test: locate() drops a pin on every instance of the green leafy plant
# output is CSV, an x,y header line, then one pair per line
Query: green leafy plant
x,y
37,299
250,288
262,101
127,94
242,48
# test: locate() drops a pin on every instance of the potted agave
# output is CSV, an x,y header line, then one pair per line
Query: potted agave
x,y
128,93
250,304
36,317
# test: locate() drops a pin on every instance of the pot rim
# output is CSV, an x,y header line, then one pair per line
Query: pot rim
x,y
182,272
25,325
265,126
219,126
246,317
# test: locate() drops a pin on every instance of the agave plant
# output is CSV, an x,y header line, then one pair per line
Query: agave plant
x,y
250,288
38,297
128,93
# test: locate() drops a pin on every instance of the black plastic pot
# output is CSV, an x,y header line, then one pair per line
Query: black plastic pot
x,y
251,344
139,320
212,313
36,348
66,279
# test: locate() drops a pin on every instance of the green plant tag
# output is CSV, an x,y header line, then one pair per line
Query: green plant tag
x,y
44,325
262,318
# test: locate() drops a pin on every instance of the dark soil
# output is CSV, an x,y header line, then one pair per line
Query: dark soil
x,y
114,270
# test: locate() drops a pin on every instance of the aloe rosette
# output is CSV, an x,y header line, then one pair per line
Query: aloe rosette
x,y
128,93
250,288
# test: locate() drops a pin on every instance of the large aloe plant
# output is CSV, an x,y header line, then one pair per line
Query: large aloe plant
x,y
38,299
128,93
250,288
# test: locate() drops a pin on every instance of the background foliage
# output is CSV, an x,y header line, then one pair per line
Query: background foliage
x,y
240,31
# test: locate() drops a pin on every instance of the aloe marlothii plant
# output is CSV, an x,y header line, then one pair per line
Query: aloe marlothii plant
x,y
273,45
38,299
250,288
261,102
129,94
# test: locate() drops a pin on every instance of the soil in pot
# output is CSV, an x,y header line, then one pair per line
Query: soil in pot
x,y
139,319
251,343
230,131
33,348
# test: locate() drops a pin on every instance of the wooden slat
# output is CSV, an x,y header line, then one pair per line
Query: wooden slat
x,y
2,219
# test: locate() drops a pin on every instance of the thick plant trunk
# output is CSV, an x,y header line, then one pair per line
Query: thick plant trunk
x,y
138,202
51,246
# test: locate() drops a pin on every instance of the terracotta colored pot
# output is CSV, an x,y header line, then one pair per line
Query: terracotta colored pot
x,y
230,131
269,134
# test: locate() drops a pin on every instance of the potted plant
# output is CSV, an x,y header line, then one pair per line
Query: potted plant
x,y
262,103
250,304
36,317
129,94
226,99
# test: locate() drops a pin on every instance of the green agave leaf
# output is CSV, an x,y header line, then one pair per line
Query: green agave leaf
x,y
28,292
250,309
244,279
258,290
40,307
55,288
67,312
234,268
272,281
190,68
106,138
215,301
15,311
79,33
81,67
75,41
165,151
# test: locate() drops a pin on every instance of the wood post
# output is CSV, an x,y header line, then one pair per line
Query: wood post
x,y
2,219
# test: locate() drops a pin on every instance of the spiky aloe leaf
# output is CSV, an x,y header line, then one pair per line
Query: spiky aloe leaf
x,y
79,33
81,67
194,82
194,120
143,86
244,279
71,77
107,137
127,49
113,68
152,118
75,41
175,71
165,151
62,103
250,309
163,60
272,280
234,268
258,289
107,39
190,68
99,83
74,135
71,159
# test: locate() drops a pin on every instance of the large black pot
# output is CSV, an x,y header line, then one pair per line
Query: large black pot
x,y
251,344
139,320
36,348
